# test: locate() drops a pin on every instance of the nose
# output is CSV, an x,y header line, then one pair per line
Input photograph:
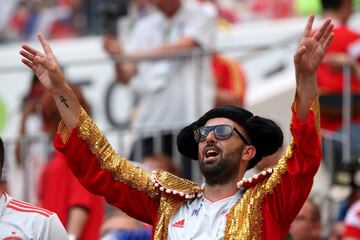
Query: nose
x,y
211,137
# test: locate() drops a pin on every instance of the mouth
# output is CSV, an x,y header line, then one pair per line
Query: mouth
x,y
211,154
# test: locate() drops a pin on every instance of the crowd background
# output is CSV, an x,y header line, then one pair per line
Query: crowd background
x,y
336,186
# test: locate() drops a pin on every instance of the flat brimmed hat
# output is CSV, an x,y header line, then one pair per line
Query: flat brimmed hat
x,y
264,134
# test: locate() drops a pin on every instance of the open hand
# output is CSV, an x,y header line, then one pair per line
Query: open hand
x,y
44,66
311,50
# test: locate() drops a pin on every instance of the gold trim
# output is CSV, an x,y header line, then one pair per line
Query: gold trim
x,y
121,169
245,218
63,132
168,207
172,182
315,107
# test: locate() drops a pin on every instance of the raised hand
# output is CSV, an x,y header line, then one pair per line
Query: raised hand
x,y
47,69
311,50
44,66
309,55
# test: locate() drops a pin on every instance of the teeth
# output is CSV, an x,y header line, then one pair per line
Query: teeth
x,y
211,152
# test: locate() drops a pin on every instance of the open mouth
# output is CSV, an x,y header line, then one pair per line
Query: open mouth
x,y
211,153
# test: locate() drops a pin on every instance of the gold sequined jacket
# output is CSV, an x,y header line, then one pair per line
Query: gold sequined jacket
x,y
272,199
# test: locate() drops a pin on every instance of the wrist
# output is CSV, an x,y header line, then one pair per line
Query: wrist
x,y
60,89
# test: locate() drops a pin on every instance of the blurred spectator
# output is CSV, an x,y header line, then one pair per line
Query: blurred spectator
x,y
160,161
230,81
346,192
19,220
307,224
55,19
138,10
166,88
80,211
31,150
271,8
224,13
30,108
343,51
120,226
352,223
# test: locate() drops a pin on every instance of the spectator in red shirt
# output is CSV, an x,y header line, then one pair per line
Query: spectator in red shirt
x,y
344,50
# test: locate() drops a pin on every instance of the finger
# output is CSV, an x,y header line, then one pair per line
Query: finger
x,y
45,45
328,41
28,63
326,34
27,55
31,50
308,27
322,30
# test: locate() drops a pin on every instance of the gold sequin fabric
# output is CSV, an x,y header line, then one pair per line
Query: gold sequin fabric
x,y
169,204
172,182
121,169
124,171
245,218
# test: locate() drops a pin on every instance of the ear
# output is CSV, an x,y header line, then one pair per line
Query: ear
x,y
248,153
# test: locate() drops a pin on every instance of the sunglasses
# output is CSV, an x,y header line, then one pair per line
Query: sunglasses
x,y
221,132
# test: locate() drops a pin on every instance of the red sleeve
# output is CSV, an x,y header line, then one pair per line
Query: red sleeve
x,y
84,165
79,195
296,182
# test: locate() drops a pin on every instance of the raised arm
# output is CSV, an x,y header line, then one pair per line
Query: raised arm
x,y
309,55
47,69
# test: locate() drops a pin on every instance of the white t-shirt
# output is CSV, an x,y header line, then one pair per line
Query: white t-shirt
x,y
201,219
21,220
174,92
353,216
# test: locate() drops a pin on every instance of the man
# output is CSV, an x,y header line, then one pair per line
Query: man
x,y
176,27
21,220
307,224
343,51
226,140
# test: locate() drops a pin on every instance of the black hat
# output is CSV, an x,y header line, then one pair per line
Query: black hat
x,y
265,135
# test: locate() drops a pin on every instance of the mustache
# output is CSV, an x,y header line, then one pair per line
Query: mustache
x,y
212,145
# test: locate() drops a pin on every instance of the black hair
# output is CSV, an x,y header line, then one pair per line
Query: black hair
x,y
331,4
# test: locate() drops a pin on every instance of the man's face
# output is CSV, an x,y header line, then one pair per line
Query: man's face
x,y
304,227
219,160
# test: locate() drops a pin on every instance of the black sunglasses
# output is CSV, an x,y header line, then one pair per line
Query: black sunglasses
x,y
221,132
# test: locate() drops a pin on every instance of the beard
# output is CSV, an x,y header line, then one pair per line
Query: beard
x,y
224,170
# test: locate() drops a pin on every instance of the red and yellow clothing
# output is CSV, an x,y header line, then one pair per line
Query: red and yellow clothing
x,y
60,191
264,211
229,77
330,81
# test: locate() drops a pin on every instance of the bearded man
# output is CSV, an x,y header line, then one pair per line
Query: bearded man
x,y
225,140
